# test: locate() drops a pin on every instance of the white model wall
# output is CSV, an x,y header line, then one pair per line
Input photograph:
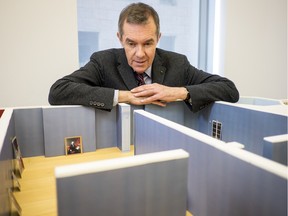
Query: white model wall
x,y
38,44
256,47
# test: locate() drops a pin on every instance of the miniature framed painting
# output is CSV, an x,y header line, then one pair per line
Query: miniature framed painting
x,y
18,160
1,112
16,184
15,208
73,145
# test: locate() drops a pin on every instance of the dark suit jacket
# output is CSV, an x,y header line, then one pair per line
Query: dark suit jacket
x,y
94,84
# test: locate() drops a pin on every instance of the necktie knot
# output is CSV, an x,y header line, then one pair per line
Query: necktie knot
x,y
140,79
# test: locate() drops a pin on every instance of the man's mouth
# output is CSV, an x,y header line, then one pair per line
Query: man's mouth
x,y
140,62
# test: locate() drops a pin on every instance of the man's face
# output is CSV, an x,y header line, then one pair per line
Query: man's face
x,y
139,42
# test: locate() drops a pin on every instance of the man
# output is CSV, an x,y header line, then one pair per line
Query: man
x,y
111,76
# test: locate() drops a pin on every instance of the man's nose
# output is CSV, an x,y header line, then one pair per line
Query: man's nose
x,y
140,51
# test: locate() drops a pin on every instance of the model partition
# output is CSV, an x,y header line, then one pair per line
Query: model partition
x,y
150,184
246,124
222,180
275,148
7,130
44,130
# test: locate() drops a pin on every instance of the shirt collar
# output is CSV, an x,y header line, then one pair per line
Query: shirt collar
x,y
148,71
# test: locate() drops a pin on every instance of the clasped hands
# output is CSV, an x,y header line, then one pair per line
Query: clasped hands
x,y
152,94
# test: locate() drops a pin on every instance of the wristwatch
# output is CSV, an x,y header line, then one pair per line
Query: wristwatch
x,y
188,97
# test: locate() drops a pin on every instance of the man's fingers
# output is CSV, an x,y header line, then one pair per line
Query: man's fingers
x,y
159,103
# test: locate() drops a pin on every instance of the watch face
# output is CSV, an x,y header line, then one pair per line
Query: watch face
x,y
188,96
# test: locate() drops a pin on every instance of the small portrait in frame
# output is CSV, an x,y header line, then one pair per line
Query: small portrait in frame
x,y
15,207
73,145
18,160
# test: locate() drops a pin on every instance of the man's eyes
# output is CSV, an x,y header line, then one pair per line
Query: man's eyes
x,y
133,44
148,44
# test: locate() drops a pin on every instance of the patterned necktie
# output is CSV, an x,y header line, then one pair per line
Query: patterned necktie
x,y
140,79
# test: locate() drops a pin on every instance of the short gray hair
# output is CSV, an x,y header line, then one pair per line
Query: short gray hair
x,y
138,13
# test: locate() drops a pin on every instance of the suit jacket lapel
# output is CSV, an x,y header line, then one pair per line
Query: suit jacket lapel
x,y
158,70
126,72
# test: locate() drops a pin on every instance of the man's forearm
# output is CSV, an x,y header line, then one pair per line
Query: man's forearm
x,y
181,93
124,96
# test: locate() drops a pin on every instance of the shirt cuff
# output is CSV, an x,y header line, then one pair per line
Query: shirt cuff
x,y
115,99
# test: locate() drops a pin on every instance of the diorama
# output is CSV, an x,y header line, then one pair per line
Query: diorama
x,y
232,159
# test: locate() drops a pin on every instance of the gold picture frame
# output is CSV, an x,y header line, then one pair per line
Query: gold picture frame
x,y
73,145
18,160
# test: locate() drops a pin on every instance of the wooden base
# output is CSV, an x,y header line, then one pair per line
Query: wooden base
x,y
38,186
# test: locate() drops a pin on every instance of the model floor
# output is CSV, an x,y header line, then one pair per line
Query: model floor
x,y
38,185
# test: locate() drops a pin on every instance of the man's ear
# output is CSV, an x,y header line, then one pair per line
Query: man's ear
x,y
159,36
119,37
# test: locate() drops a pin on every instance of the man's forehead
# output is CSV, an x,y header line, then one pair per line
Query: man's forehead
x,y
142,32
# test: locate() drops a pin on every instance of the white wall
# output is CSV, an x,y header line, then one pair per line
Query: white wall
x,y
38,43
256,47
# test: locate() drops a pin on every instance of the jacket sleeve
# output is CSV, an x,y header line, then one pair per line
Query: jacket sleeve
x,y
82,87
205,88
